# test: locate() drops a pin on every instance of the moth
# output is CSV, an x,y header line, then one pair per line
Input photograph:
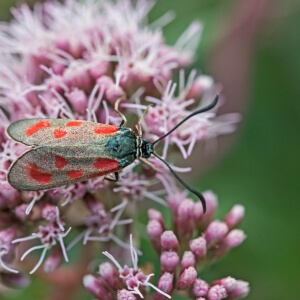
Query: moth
x,y
64,151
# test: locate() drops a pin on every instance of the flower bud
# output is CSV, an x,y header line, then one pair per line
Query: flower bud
x,y
198,247
229,283
110,274
169,261
217,292
174,199
169,241
96,287
125,295
188,260
198,211
235,216
200,288
215,232
185,218
234,238
155,230
165,284
187,278
154,214
241,291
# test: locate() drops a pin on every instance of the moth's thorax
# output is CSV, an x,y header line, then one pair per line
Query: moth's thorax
x,y
122,146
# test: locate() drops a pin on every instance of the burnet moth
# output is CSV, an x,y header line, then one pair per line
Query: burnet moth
x,y
66,151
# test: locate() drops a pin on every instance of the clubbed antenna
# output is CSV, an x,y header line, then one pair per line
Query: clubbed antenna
x,y
204,109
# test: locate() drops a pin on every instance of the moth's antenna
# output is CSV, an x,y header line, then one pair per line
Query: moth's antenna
x,y
198,194
204,109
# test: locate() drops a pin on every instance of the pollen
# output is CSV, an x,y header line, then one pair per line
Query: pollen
x,y
74,174
37,126
60,162
59,133
36,174
105,129
74,123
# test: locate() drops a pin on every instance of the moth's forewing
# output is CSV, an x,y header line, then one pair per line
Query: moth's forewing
x,y
48,167
60,132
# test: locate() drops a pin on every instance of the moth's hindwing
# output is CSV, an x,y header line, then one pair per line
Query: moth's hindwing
x,y
48,167
60,132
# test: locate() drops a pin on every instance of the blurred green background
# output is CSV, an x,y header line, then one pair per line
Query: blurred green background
x,y
253,48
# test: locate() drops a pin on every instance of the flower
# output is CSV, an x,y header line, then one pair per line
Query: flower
x,y
75,60
49,235
81,78
100,224
132,277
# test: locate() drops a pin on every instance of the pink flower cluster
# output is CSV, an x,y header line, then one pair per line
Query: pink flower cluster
x,y
182,258
112,280
74,60
198,242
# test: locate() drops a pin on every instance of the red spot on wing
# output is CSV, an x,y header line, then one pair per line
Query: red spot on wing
x,y
36,174
59,133
105,129
37,126
106,164
74,123
60,162
74,174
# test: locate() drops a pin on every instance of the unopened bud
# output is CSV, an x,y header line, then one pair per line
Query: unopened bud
x,y
198,247
169,241
169,260
217,292
235,216
187,278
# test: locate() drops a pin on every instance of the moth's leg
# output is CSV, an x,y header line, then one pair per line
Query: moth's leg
x,y
124,120
138,125
149,164
115,179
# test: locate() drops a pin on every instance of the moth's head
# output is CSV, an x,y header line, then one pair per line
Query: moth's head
x,y
146,148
